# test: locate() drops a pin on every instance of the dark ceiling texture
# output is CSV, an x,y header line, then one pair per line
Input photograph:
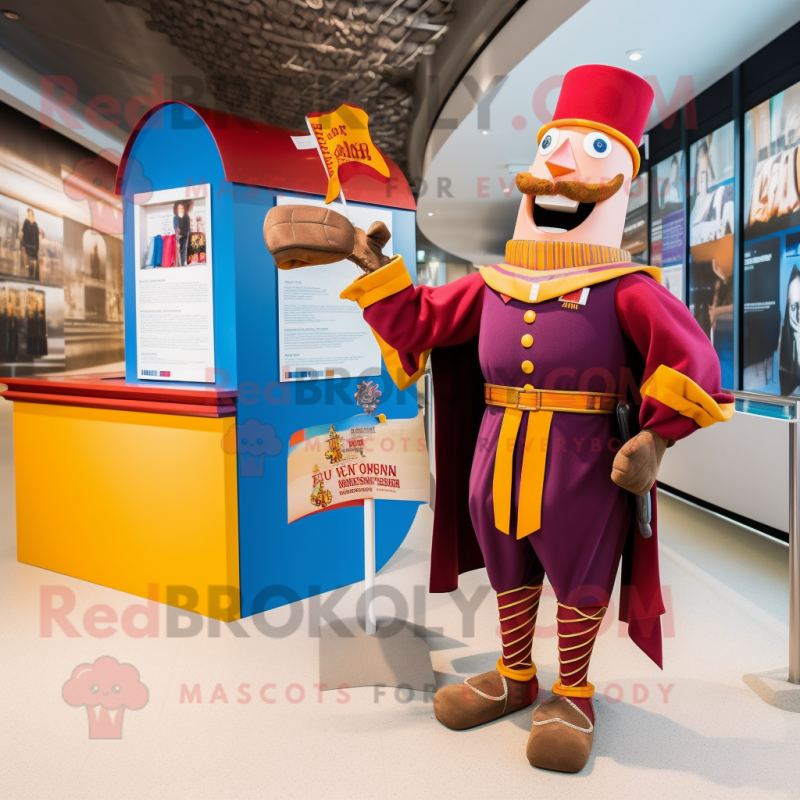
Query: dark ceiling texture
x,y
276,60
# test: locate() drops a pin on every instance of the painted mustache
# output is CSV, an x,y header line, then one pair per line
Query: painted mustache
x,y
574,190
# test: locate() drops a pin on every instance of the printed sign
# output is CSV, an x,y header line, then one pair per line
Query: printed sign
x,y
343,463
321,336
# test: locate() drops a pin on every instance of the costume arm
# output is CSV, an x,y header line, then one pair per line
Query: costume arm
x,y
408,321
681,384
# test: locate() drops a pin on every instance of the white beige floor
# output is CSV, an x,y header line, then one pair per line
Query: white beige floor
x,y
711,737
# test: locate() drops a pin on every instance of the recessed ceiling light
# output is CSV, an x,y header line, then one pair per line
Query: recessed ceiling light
x,y
430,213
485,133
11,14
634,55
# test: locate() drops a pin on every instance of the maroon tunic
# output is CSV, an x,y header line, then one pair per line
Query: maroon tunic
x,y
585,516
628,327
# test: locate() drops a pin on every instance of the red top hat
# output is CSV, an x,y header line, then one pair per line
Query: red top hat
x,y
609,99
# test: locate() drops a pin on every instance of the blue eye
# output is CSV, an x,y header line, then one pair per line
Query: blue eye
x,y
549,142
597,145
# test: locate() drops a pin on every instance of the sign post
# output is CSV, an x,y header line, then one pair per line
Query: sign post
x,y
353,462
370,623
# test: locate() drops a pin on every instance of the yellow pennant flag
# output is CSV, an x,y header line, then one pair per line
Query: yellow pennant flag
x,y
346,147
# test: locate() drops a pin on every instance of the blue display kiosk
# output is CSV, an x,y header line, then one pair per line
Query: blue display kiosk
x,y
248,165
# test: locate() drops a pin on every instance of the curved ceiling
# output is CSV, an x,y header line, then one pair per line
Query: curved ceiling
x,y
276,60
267,60
468,202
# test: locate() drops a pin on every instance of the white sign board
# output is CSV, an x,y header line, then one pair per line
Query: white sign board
x,y
174,286
320,335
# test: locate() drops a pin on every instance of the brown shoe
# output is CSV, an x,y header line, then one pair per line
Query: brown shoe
x,y
481,699
561,737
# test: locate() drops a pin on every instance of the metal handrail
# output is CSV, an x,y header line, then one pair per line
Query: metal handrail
x,y
768,399
789,403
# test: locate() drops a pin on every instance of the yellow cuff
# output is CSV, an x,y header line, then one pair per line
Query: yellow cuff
x,y
683,395
395,367
382,283
527,674
573,691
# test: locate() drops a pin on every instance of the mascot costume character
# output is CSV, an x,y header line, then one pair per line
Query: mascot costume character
x,y
531,359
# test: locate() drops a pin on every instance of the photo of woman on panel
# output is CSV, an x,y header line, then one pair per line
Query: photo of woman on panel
x,y
789,347
30,236
174,234
182,225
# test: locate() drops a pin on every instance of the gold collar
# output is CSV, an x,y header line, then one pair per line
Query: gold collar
x,y
538,271
530,254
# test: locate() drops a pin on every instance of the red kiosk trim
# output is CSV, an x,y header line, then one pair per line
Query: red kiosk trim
x,y
243,145
109,390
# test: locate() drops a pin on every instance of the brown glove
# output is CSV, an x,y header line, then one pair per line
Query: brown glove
x,y
636,465
304,236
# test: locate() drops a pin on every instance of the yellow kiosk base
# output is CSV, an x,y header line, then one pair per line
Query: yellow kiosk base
x,y
128,499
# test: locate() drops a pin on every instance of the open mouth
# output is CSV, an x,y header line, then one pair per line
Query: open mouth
x,y
557,214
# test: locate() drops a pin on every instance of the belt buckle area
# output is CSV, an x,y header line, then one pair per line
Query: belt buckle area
x,y
535,395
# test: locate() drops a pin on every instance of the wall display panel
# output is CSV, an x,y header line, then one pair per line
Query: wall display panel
x,y
711,242
60,252
668,222
31,293
634,235
772,245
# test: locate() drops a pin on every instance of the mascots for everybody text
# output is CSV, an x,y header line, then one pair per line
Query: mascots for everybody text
x,y
530,359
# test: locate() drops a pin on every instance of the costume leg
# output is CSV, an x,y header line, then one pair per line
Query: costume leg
x,y
516,574
518,610
563,727
577,631
512,685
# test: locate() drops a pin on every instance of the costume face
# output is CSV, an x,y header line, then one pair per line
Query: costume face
x,y
577,155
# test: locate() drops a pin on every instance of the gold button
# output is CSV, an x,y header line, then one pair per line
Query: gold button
x,y
527,366
528,387
527,340
529,317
